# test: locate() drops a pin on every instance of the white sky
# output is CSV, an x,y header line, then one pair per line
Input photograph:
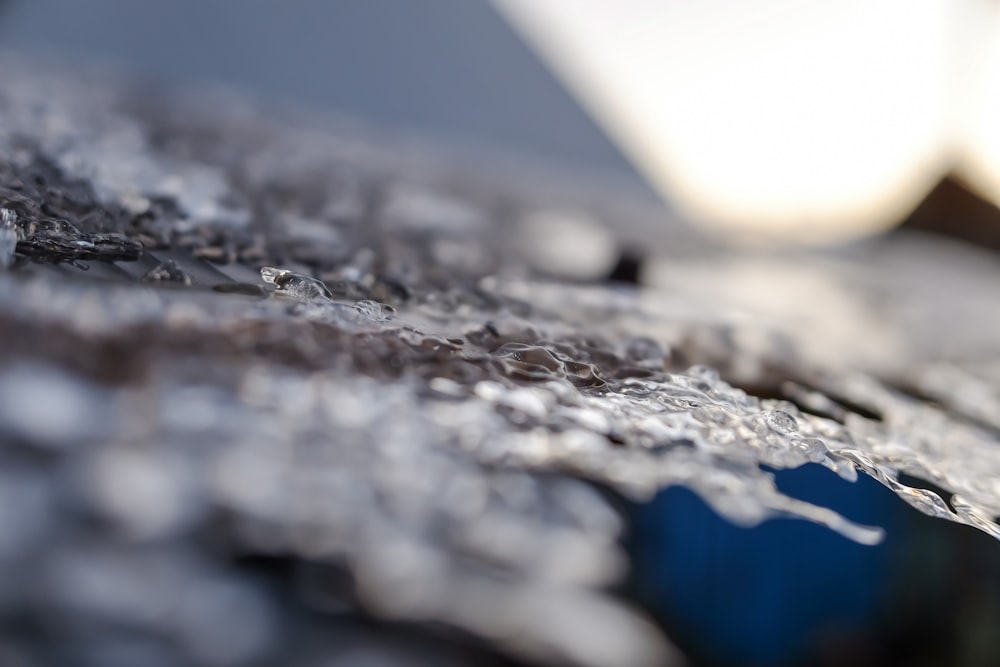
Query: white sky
x,y
806,119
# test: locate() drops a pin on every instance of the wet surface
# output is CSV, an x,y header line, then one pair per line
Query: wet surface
x,y
228,342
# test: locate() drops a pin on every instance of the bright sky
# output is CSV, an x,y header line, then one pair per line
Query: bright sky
x,y
805,119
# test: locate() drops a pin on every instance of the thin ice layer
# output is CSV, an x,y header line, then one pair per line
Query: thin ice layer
x,y
407,399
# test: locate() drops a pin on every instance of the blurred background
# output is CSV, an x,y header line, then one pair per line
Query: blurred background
x,y
450,69
784,121
457,72
779,121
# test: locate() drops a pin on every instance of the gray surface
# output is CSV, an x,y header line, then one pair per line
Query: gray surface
x,y
443,67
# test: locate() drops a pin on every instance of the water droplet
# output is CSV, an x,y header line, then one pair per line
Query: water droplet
x,y
530,362
781,422
812,448
295,285
374,310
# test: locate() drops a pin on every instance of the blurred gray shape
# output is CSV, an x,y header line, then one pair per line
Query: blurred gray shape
x,y
449,68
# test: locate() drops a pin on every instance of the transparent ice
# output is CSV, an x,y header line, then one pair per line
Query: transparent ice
x,y
8,237
295,285
435,428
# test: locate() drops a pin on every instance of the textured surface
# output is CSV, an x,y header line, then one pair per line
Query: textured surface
x,y
259,380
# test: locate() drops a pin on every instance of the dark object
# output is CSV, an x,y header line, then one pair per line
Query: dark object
x,y
951,210
626,269
69,248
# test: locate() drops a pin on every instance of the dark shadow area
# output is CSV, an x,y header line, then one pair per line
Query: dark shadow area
x,y
952,210
792,593
627,269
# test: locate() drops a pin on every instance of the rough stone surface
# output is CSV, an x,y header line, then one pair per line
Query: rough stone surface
x,y
293,389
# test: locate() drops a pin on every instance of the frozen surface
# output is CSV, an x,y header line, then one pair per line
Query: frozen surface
x,y
290,347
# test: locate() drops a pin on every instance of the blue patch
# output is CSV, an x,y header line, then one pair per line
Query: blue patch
x,y
763,595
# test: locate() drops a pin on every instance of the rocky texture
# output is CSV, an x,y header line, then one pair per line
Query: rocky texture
x,y
274,392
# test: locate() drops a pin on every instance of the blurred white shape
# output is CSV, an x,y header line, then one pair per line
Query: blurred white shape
x,y
977,118
47,407
149,494
804,120
570,244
